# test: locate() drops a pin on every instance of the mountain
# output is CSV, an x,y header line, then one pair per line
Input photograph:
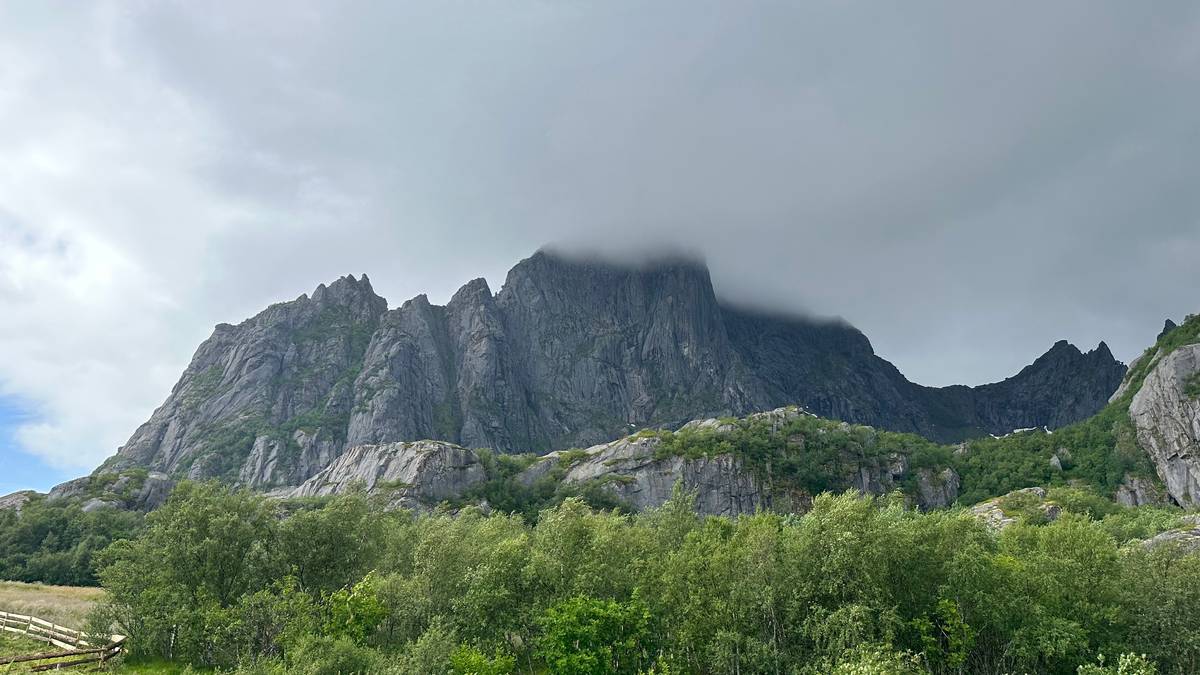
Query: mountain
x,y
568,353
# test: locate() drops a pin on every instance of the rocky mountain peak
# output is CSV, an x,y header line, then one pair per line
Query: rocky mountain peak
x,y
356,295
473,292
1168,326
570,352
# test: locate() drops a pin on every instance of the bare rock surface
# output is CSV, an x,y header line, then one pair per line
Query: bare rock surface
x,y
1139,491
1167,419
415,475
17,500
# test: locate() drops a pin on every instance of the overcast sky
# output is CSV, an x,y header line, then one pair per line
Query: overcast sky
x,y
965,183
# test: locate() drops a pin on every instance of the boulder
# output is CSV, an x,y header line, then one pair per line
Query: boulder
x,y
629,469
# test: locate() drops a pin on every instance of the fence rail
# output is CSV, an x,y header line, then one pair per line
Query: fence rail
x,y
77,648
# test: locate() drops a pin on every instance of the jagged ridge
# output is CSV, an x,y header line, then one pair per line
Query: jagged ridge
x,y
568,353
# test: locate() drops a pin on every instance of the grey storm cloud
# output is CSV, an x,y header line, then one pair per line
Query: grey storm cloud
x,y
966,183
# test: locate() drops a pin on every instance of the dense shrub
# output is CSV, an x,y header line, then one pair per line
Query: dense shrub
x,y
855,585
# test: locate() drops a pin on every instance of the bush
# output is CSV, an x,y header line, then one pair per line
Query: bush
x,y
335,656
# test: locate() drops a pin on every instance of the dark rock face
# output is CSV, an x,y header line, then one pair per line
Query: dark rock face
x,y
567,354
830,369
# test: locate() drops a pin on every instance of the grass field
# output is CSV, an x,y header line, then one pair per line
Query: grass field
x,y
66,606
63,605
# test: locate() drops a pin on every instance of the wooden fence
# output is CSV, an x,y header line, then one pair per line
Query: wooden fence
x,y
76,648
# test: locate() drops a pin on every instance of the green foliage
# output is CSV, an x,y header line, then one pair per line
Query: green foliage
x,y
874,660
55,542
357,611
1102,451
432,652
327,655
945,638
1127,664
466,660
590,636
856,585
333,546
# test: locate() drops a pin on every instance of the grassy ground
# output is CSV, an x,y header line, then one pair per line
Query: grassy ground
x,y
64,605
11,644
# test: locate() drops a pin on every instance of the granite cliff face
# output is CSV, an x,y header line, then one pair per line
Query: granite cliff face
x,y
566,354
414,475
1166,414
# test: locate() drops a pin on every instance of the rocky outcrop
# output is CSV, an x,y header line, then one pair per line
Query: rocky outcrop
x,y
1185,538
638,471
568,353
17,500
135,490
631,471
1139,491
1166,415
153,493
993,512
936,490
411,475
76,487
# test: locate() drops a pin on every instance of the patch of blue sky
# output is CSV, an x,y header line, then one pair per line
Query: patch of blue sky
x,y
20,470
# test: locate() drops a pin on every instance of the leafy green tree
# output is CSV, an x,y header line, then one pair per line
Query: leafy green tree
x,y
356,612
588,636
333,546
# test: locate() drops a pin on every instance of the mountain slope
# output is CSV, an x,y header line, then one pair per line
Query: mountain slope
x,y
568,353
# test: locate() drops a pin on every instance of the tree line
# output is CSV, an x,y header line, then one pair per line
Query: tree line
x,y
226,578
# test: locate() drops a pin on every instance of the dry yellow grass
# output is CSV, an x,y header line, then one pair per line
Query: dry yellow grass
x,y
63,605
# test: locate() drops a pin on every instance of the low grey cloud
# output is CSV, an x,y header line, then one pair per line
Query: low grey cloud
x,y
967,184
